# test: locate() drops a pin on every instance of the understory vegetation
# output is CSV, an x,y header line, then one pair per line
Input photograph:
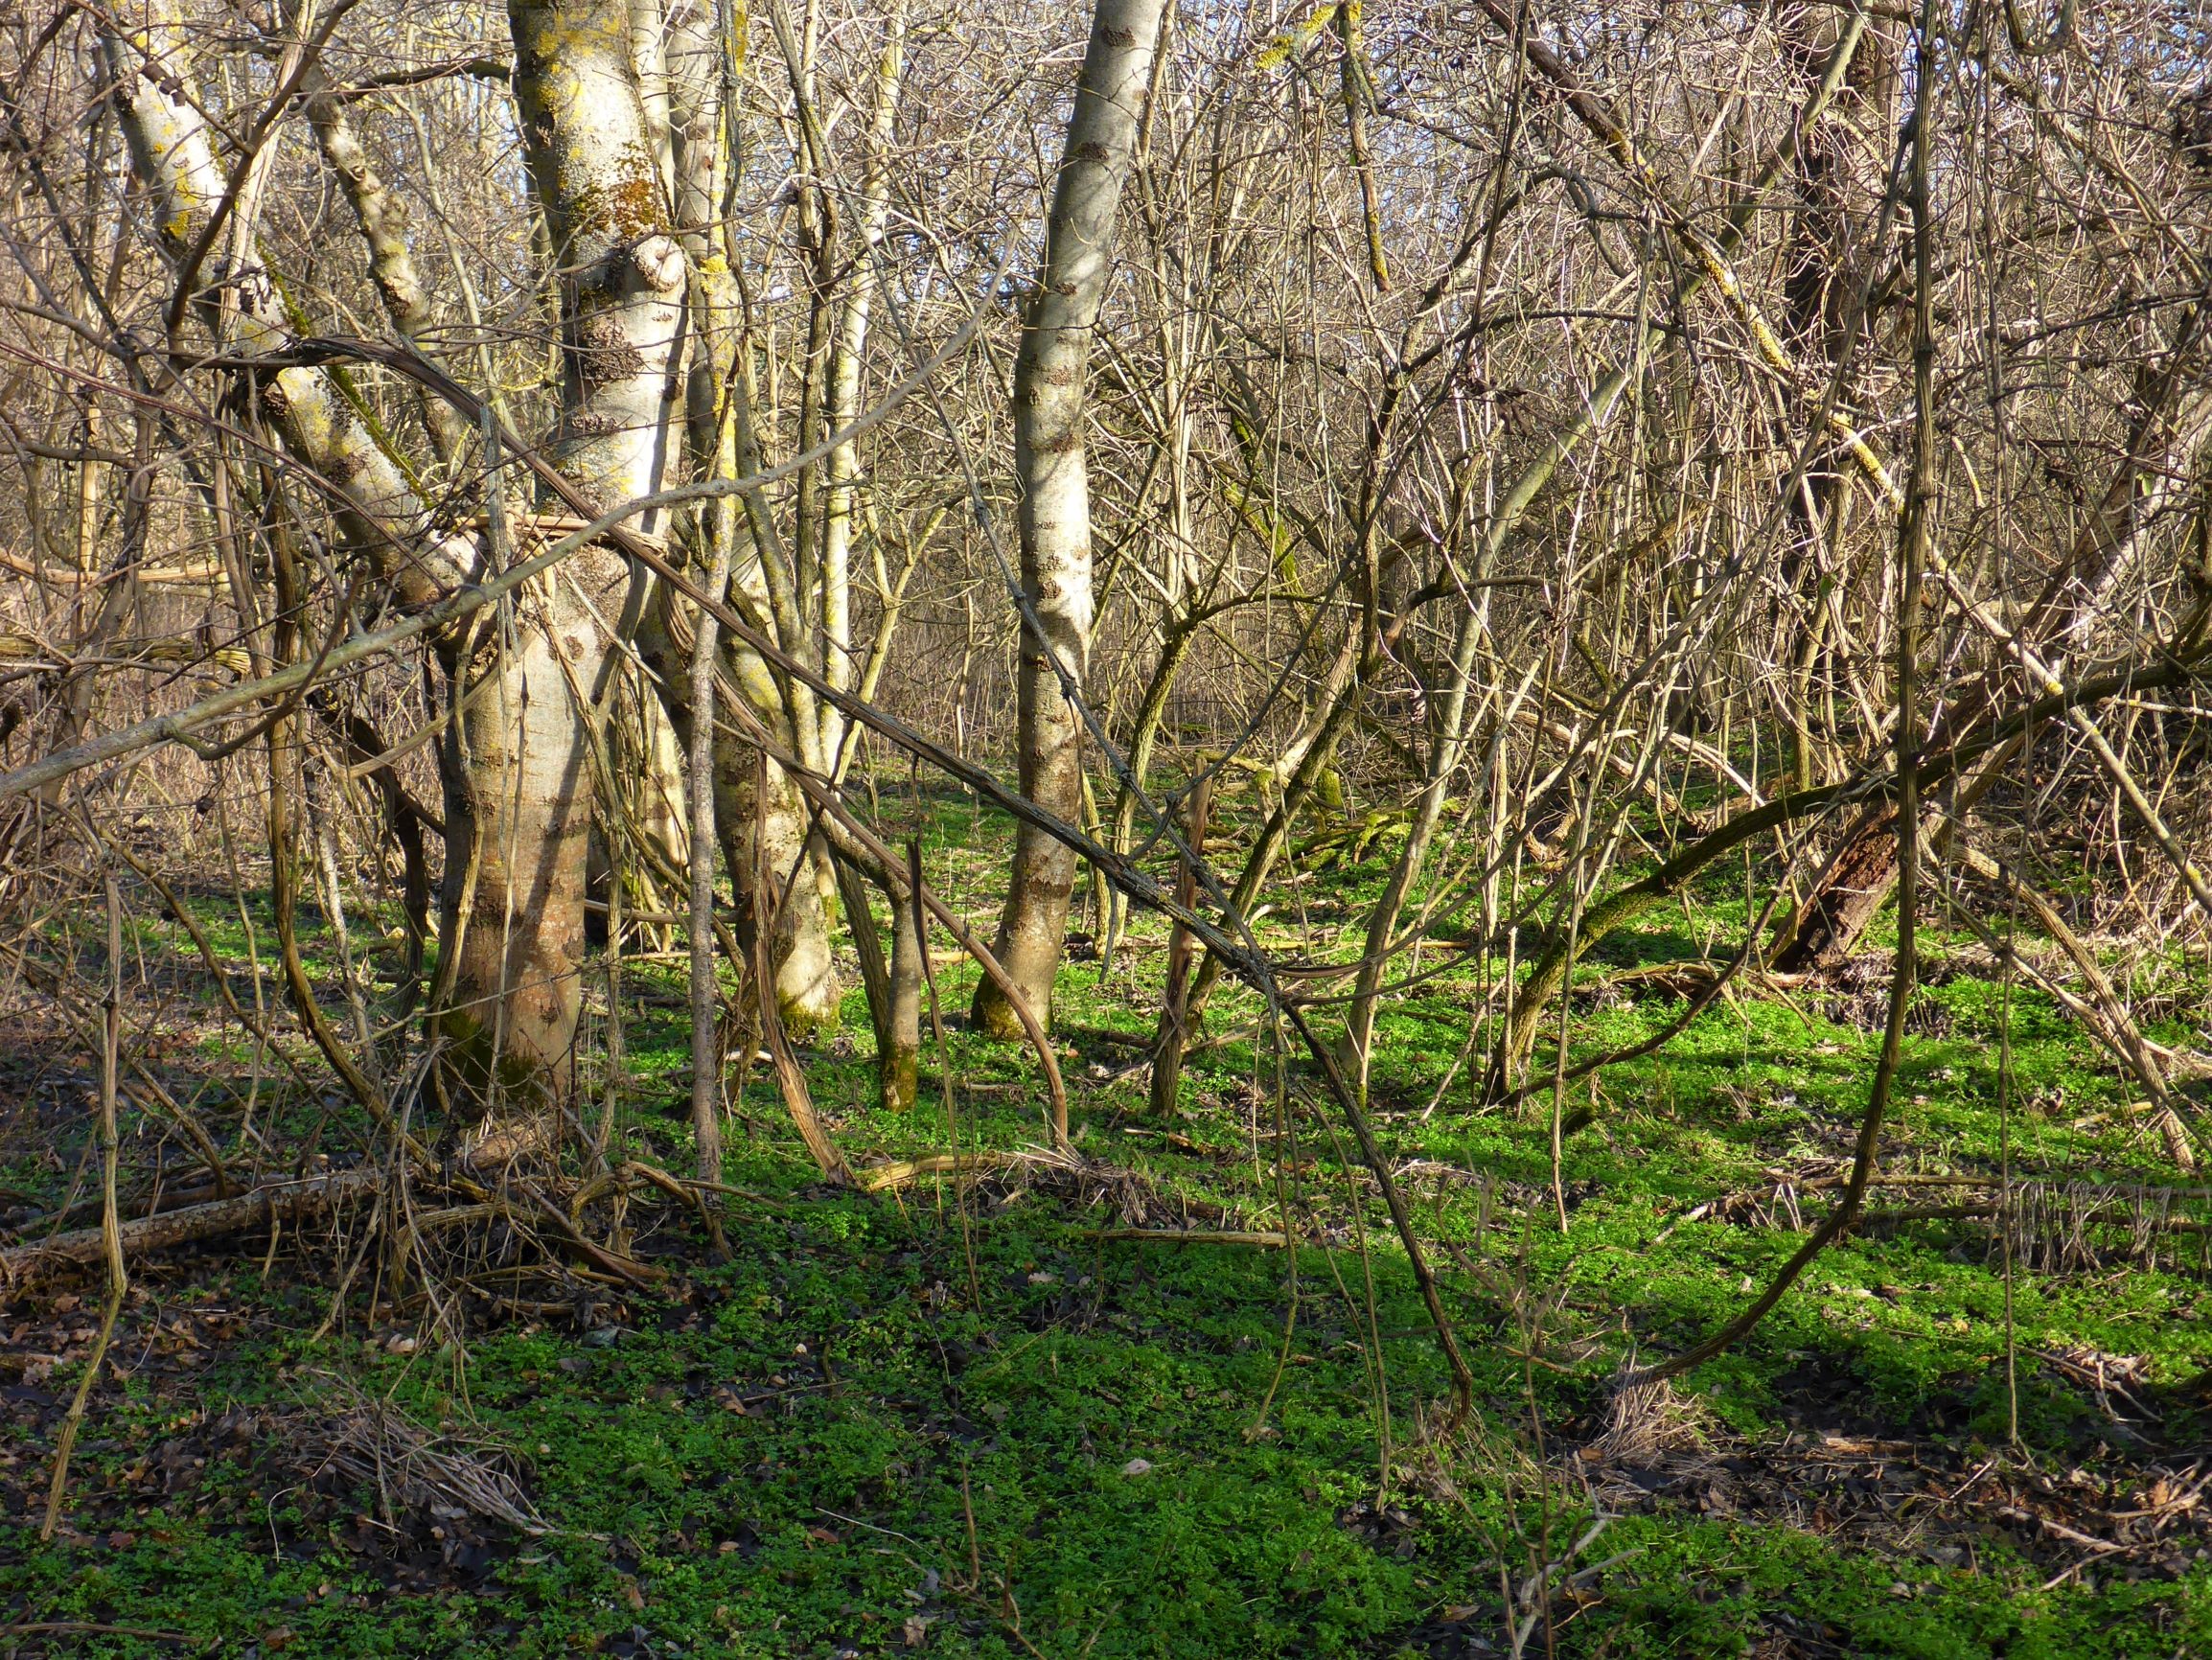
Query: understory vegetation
x,y
1071,1405
1161,830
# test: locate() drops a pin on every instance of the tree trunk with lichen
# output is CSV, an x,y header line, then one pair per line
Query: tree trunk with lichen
x,y
521,749
1050,471
382,218
316,412
516,766
699,67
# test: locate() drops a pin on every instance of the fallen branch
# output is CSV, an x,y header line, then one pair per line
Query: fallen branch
x,y
1267,1238
898,1175
642,1275
289,1201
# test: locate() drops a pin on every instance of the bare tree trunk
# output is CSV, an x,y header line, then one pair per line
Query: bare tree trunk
x,y
383,222
517,817
1055,511
701,76
893,984
519,793
847,352
172,152
1174,1034
520,740
706,995
898,1061
1449,751
1841,181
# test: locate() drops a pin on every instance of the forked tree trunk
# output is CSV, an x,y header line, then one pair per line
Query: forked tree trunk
x,y
1055,509
700,66
381,516
519,786
514,978
516,871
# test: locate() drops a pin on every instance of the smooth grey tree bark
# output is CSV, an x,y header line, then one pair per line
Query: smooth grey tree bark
x,y
1049,468
754,831
520,791
516,859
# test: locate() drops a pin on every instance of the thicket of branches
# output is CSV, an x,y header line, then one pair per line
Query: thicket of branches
x,y
1587,447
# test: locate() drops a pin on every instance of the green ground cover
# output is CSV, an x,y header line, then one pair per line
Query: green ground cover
x,y
959,1420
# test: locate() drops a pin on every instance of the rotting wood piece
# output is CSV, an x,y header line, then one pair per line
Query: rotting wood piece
x,y
264,1206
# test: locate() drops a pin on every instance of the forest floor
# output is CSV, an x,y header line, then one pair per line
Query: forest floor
x,y
965,1420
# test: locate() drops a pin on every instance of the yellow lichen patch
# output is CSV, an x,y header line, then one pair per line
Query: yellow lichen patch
x,y
636,202
1277,51
624,209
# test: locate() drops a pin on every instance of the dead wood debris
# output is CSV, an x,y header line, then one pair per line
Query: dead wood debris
x,y
448,1476
2057,1224
2143,1513
264,1207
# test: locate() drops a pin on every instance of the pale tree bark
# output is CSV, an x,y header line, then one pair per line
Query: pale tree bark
x,y
320,421
623,270
517,769
517,854
383,221
1054,481
754,834
892,981
793,564
645,761
705,994
518,786
843,401
380,512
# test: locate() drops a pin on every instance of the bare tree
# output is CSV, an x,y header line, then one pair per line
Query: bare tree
x,y
1050,375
